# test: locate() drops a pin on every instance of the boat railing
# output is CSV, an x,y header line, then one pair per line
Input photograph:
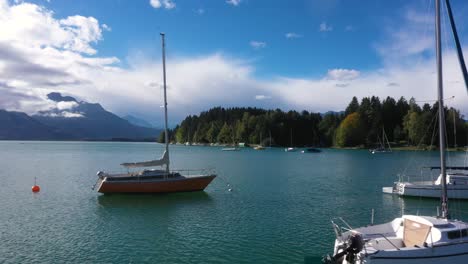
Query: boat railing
x,y
339,232
195,172
339,229
184,172
407,178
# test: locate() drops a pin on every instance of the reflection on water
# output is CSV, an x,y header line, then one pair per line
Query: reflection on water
x,y
278,212
152,200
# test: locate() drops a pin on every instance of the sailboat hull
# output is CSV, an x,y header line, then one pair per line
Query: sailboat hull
x,y
429,190
457,187
169,185
456,254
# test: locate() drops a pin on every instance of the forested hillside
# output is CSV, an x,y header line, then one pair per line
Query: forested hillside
x,y
362,124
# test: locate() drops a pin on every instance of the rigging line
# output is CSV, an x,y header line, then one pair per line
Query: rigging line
x,y
430,101
419,144
461,59
434,132
445,26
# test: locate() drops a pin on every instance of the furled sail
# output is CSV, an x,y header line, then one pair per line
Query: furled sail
x,y
162,161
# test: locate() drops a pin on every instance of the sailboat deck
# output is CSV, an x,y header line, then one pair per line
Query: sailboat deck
x,y
411,233
135,177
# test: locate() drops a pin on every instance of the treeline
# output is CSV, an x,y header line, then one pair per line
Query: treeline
x,y
362,124
403,122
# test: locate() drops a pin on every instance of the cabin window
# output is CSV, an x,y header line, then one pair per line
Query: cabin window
x,y
457,234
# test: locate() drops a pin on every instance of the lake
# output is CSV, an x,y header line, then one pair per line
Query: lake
x,y
278,211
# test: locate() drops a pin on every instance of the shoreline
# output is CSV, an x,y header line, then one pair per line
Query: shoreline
x,y
400,148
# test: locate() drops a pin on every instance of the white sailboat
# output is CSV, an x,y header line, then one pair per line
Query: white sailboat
x,y
410,238
291,148
230,149
260,145
154,180
382,148
457,185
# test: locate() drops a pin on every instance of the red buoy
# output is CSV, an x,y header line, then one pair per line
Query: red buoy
x,y
36,188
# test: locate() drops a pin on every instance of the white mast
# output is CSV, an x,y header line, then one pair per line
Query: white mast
x,y
444,200
166,134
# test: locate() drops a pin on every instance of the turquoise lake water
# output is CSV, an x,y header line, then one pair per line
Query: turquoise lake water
x,y
279,210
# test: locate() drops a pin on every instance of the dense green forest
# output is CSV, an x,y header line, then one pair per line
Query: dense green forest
x,y
361,124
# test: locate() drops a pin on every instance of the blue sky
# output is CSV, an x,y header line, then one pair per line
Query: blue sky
x,y
202,27
311,54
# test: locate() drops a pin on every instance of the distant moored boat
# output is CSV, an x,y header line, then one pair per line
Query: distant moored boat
x,y
311,150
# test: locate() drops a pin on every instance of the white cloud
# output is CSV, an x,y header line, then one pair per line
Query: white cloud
x,y
342,74
257,44
71,115
155,3
262,97
65,114
342,84
84,30
31,24
66,105
167,4
324,27
39,63
106,27
234,2
407,41
292,35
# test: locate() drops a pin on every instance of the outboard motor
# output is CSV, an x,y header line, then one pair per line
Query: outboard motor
x,y
353,245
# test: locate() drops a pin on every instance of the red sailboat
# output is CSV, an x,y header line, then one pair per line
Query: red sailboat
x,y
154,180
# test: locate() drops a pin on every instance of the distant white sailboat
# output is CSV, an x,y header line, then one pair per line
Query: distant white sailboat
x,y
230,149
260,145
382,148
410,239
291,148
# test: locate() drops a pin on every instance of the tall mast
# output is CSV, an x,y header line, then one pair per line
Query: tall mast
x,y
444,201
269,131
166,134
454,130
290,135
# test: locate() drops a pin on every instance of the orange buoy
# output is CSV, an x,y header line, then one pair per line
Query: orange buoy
x,y
36,188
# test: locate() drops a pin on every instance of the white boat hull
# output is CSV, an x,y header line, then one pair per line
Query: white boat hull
x,y
410,239
426,256
455,254
427,190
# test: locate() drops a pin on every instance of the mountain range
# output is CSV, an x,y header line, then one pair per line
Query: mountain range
x,y
138,121
71,119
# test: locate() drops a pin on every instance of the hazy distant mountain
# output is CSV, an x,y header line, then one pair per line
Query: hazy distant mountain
x,y
137,121
332,112
57,97
82,120
19,126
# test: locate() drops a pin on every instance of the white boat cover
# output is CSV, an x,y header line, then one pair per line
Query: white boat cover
x,y
162,161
